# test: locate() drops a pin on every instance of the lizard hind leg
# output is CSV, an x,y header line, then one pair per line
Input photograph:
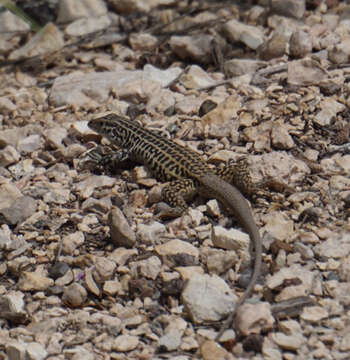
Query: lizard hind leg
x,y
175,194
238,174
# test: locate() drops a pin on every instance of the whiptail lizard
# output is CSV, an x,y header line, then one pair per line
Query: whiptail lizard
x,y
188,174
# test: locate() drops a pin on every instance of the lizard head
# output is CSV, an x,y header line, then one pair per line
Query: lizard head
x,y
101,125
112,126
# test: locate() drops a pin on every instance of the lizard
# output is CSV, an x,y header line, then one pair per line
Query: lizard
x,y
187,174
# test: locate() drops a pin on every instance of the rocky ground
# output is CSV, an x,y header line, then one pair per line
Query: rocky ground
x,y
87,270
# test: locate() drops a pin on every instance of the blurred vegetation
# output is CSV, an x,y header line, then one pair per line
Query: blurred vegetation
x,y
11,6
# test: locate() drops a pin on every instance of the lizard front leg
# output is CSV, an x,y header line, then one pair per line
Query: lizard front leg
x,y
107,160
111,159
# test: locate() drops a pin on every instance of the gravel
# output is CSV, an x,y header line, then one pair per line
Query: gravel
x,y
87,269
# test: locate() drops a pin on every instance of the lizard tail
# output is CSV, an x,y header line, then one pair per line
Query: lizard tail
x,y
231,197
